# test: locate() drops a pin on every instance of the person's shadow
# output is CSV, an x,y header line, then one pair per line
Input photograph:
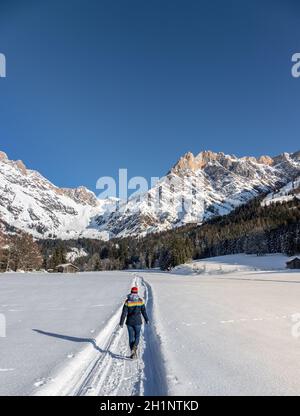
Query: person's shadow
x,y
83,340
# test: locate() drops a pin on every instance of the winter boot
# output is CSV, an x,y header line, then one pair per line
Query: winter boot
x,y
134,352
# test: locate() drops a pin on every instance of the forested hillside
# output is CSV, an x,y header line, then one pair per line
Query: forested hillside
x,y
251,228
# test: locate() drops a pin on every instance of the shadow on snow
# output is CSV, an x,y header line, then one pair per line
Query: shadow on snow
x,y
82,340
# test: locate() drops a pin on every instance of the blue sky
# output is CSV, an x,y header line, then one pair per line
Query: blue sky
x,y
94,86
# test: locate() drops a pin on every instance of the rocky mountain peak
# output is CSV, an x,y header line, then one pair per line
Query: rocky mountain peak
x,y
265,160
81,195
187,161
191,162
3,156
207,156
20,165
196,189
16,163
30,202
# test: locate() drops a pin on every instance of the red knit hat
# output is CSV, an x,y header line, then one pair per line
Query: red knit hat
x,y
134,290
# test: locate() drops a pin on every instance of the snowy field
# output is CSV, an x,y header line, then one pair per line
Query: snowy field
x,y
232,264
50,319
229,333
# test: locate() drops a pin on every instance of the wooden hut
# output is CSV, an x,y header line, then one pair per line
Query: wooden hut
x,y
66,268
293,264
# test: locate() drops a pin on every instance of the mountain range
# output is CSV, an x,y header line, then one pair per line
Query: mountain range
x,y
197,188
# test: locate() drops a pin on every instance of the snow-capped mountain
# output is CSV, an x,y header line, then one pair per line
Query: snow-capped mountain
x,y
195,189
287,193
31,203
198,188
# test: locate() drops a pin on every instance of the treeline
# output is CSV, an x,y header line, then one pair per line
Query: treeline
x,y
19,252
251,229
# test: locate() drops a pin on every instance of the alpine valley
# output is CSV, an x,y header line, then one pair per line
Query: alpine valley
x,y
195,190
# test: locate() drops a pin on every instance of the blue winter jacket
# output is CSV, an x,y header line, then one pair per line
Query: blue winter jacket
x,y
133,309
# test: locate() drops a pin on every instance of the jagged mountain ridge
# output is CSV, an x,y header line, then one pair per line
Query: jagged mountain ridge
x,y
31,203
195,189
287,193
198,188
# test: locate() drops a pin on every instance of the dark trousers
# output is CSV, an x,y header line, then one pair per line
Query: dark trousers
x,y
134,332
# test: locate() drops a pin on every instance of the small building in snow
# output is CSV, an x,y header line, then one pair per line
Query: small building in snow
x,y
66,268
293,264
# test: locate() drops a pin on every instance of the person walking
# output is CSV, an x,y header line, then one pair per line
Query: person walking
x,y
133,310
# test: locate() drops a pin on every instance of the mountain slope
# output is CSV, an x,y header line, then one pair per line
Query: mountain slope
x,y
196,189
284,194
31,203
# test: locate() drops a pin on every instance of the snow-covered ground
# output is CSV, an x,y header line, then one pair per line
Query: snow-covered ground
x,y
50,319
230,333
63,337
105,367
232,264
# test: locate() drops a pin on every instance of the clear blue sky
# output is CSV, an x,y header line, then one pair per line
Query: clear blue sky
x,y
94,86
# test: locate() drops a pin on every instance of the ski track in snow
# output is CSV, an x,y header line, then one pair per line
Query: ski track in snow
x,y
105,368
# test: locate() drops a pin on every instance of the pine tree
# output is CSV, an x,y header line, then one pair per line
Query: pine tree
x,y
24,253
58,257
94,264
4,251
177,252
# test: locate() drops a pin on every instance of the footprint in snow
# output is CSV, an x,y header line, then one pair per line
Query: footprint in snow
x,y
173,379
42,381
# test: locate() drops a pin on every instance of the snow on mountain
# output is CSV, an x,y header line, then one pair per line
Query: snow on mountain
x,y
197,188
75,253
284,194
31,203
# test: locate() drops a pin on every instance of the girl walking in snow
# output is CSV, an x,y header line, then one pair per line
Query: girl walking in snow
x,y
133,309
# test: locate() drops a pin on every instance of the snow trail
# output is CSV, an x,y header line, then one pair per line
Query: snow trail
x,y
155,374
104,368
